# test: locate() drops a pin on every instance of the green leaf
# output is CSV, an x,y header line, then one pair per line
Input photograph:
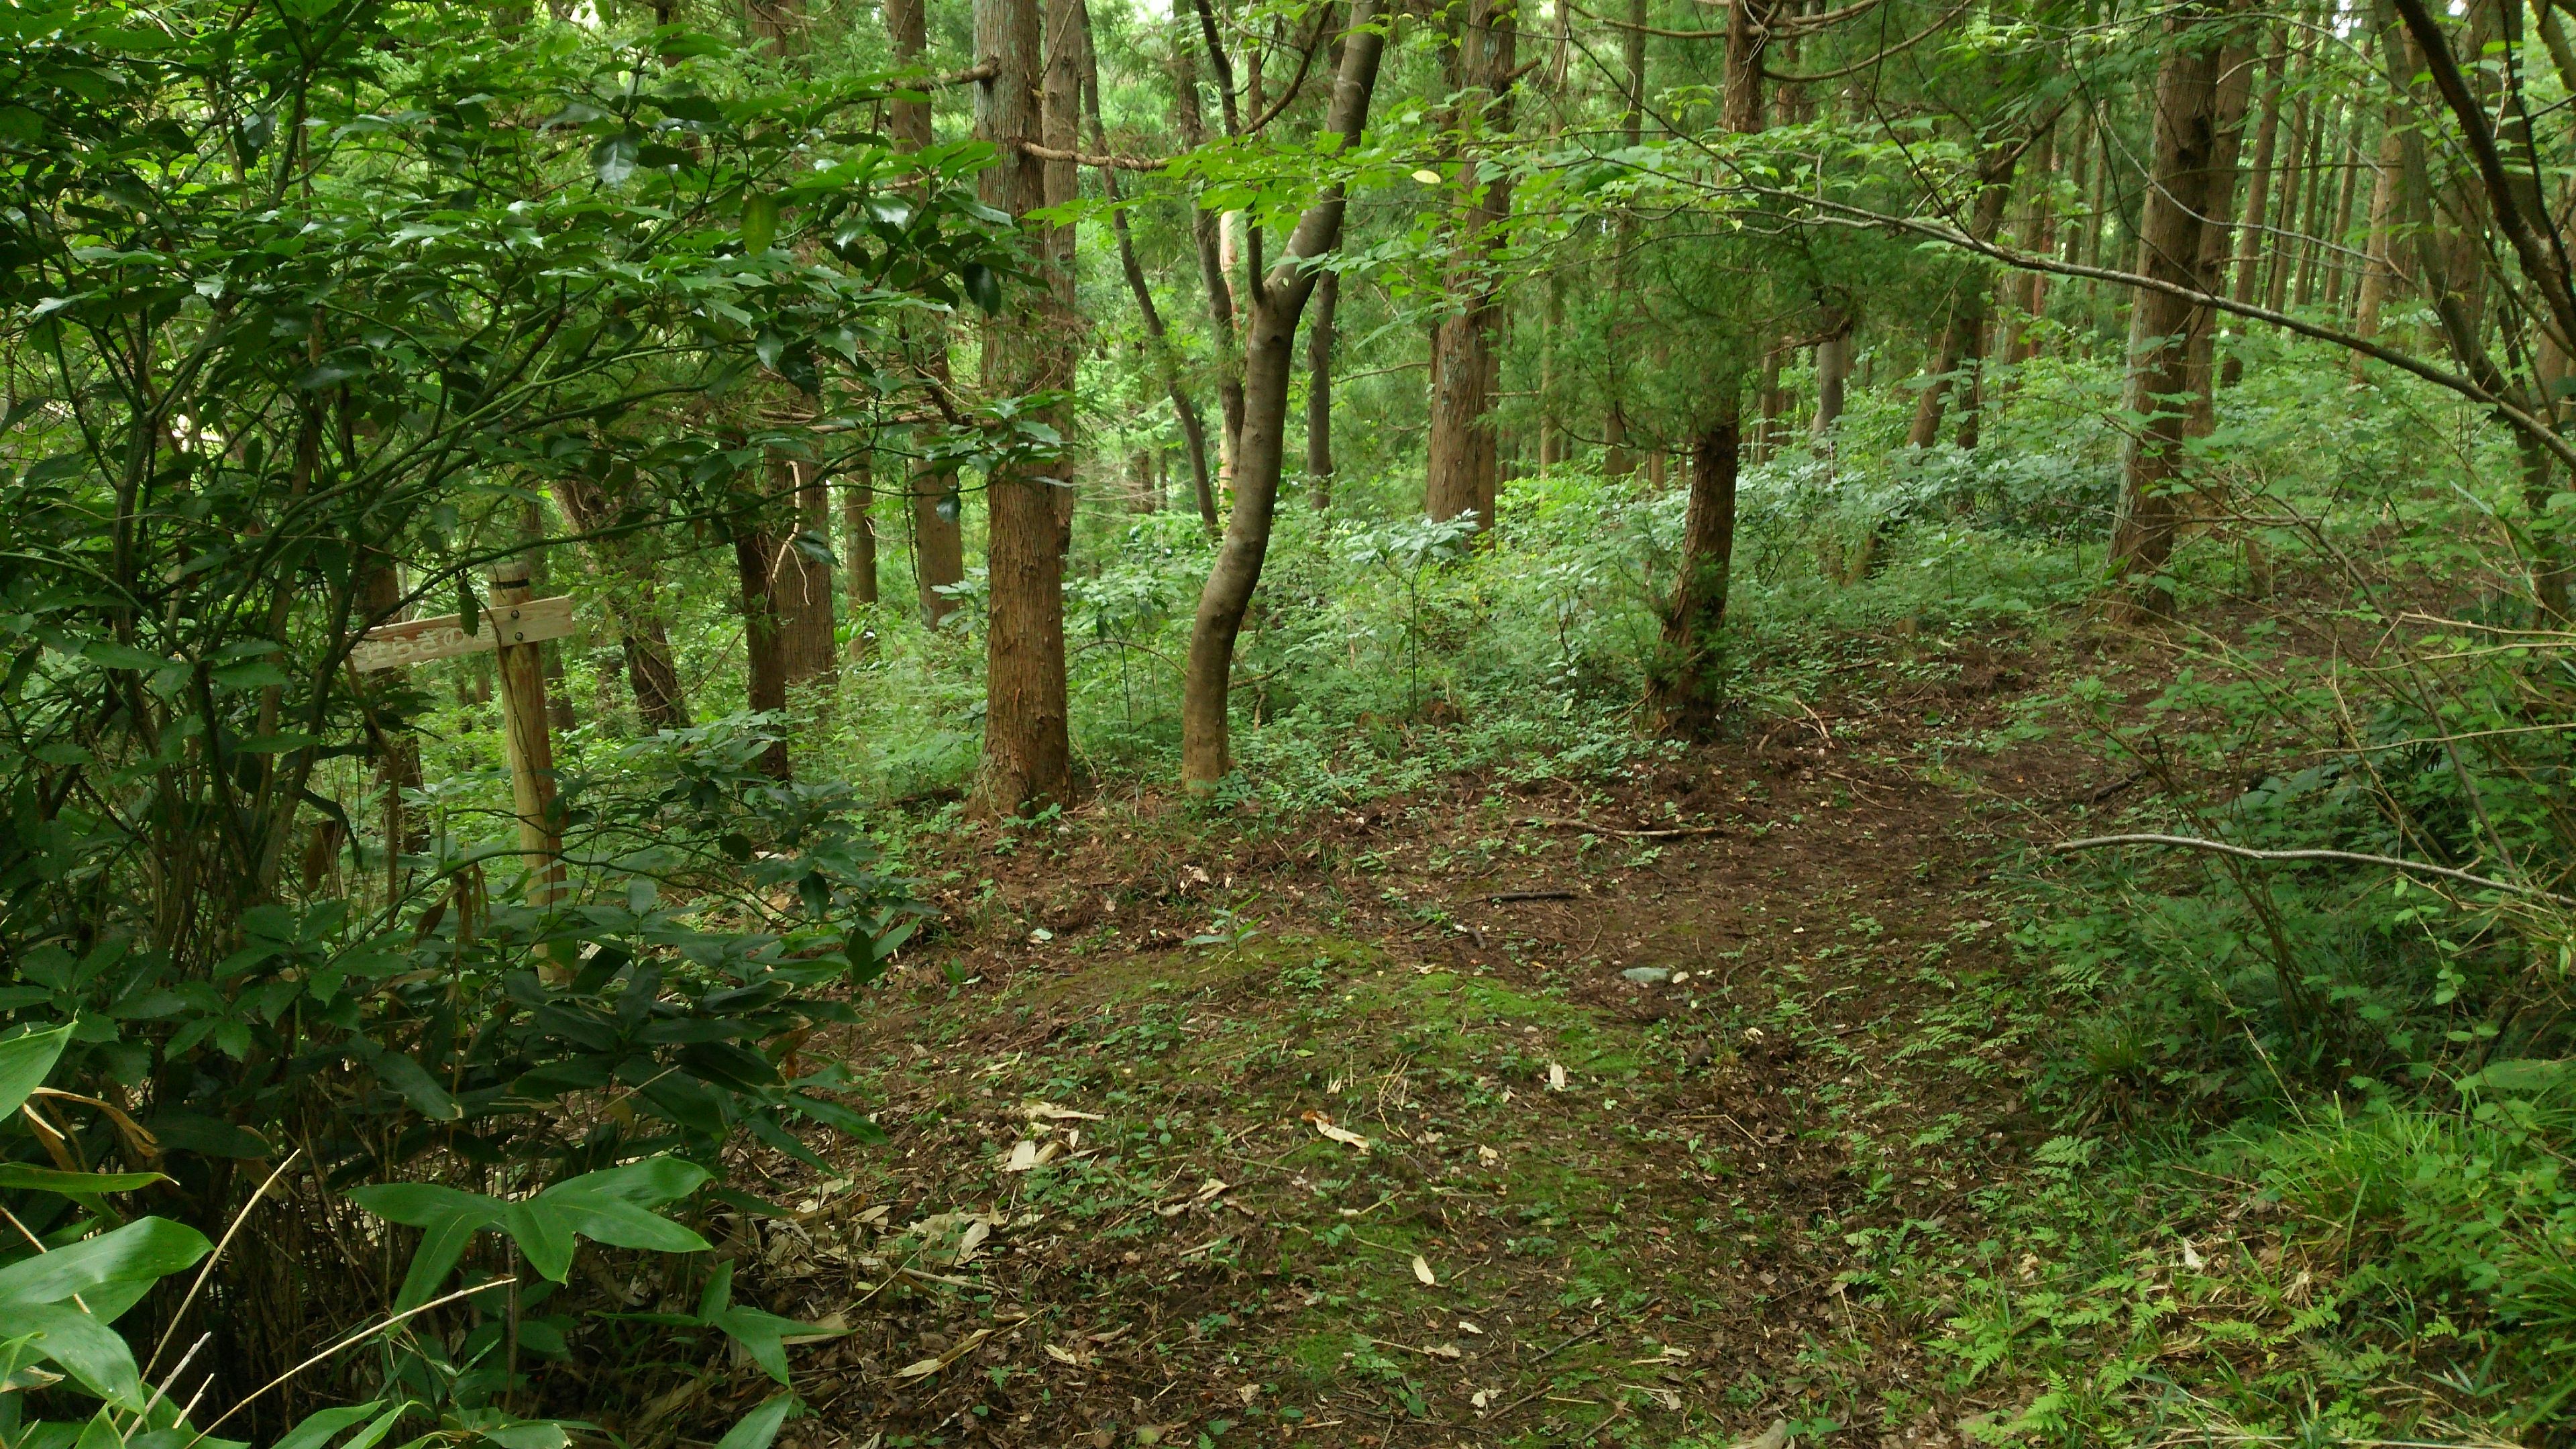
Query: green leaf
x,y
84,1348
648,1183
141,1251
758,1428
614,159
469,608
759,223
544,1232
73,1184
447,1219
984,285
416,1086
24,1061
317,1429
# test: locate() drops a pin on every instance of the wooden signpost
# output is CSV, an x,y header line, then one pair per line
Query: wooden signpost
x,y
514,625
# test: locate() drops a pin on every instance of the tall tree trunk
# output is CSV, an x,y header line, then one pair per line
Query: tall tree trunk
x,y
801,590
938,541
1684,682
1967,324
2250,238
2348,161
2378,274
1319,390
2026,296
633,600
1158,342
1207,231
1462,470
2180,194
1551,429
1833,369
1269,345
1616,461
859,549
2217,235
2321,190
2293,179
755,553
1034,98
379,601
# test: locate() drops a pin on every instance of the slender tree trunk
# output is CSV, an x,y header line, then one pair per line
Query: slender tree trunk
x,y
2180,195
801,591
2217,235
1269,346
2321,189
1967,324
1034,97
1158,342
379,601
2378,273
1616,461
2250,238
2027,292
938,541
1551,432
2293,180
755,551
1319,390
859,550
1462,471
634,603
2348,159
1833,369
1207,231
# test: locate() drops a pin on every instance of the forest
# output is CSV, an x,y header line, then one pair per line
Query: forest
x,y
1692,724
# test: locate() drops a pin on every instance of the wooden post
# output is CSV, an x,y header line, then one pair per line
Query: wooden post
x,y
531,744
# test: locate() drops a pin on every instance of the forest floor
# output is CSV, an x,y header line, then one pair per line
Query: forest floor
x,y
1544,1112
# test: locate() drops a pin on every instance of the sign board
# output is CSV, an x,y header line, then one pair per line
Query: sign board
x,y
418,641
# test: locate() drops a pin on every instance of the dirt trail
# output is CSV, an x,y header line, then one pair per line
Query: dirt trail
x,y
1552,1115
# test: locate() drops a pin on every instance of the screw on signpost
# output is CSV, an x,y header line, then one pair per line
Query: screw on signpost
x,y
531,745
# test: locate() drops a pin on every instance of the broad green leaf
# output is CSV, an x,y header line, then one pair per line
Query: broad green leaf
x,y
648,1183
141,1251
24,1061
448,1220
759,223
544,1233
415,1085
757,1429
88,1350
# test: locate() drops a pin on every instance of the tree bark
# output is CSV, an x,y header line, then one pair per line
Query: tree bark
x,y
1034,97
755,550
1967,324
938,543
1833,369
1462,472
1319,389
1277,300
801,586
1685,690
2250,237
2378,274
2170,249
2218,216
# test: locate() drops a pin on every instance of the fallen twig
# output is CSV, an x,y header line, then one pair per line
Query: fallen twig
x,y
2349,857
1528,896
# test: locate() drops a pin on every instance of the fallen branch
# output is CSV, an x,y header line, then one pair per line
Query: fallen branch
x,y
2349,857
1586,825
1530,896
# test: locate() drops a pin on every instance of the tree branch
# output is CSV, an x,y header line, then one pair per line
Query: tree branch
x,y
2348,857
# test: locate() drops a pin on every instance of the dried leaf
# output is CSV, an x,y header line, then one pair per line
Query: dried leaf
x,y
1555,1077
1050,1112
1024,1155
1422,1272
923,1369
1062,1355
973,1238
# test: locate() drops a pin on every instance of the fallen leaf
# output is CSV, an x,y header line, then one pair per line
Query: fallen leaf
x,y
1482,1398
1062,1355
1024,1156
1343,1135
2190,1258
973,1238
1555,1077
923,1369
1422,1271
1213,1187
1050,1112
1775,1437
1471,1328
1248,1393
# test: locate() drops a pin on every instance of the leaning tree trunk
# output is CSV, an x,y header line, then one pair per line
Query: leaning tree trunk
x,y
1269,345
1158,342
1462,473
938,543
1033,99
2179,197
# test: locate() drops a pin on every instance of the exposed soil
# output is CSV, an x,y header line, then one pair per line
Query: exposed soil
x,y
1620,1077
